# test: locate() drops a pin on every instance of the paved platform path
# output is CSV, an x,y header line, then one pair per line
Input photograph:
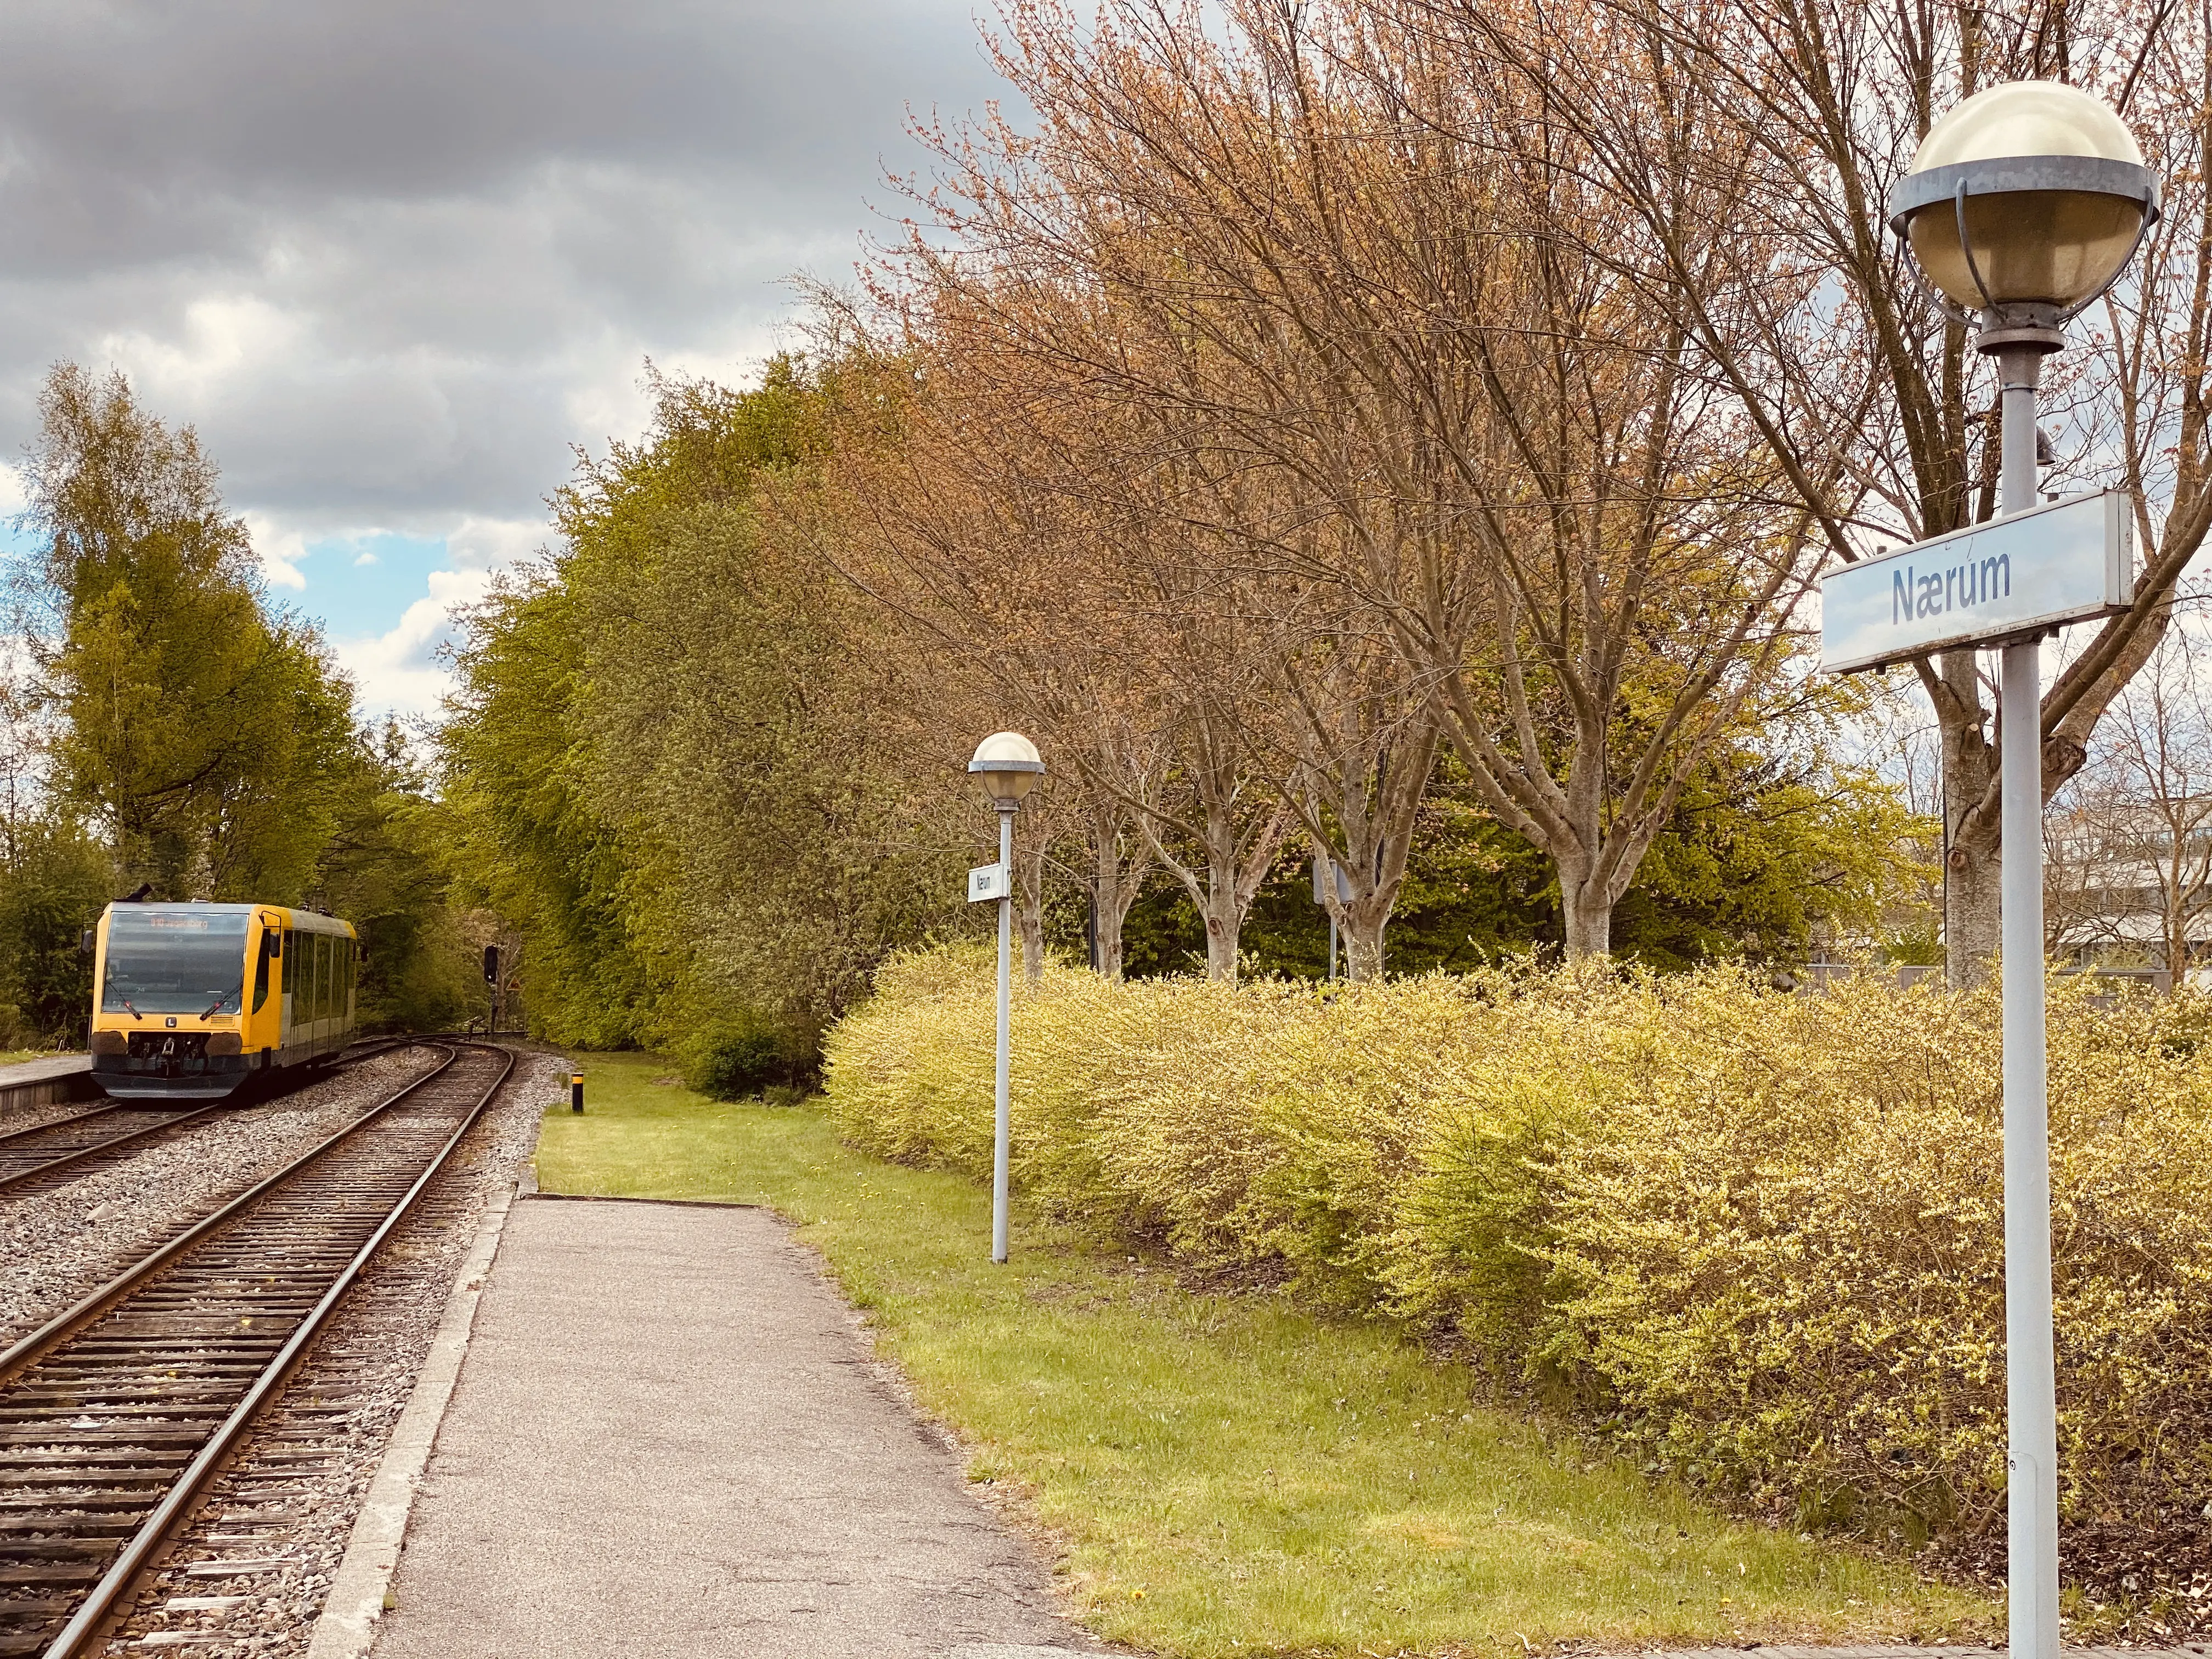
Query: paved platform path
x,y
668,1439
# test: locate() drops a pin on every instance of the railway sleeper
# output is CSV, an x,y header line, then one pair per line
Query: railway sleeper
x,y
180,1350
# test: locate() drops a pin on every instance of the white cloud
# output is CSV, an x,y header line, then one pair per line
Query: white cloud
x,y
398,671
482,544
391,267
280,548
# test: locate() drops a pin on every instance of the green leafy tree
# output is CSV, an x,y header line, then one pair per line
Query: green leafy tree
x,y
54,879
527,842
674,761
385,870
203,736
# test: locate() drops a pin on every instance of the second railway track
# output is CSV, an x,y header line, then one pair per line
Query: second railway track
x,y
114,1415
48,1155
40,1158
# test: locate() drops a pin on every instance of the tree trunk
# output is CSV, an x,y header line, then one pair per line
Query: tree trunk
x,y
1972,858
1114,888
1586,913
1364,920
1225,926
1029,907
1374,799
1363,942
1223,893
1974,925
1223,890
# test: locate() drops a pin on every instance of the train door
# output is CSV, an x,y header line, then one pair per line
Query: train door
x,y
255,1027
319,998
289,1007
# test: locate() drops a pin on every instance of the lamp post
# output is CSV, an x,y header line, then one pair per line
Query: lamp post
x,y
1009,765
2023,205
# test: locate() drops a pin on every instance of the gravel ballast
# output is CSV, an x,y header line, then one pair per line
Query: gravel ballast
x,y
249,1574
56,1245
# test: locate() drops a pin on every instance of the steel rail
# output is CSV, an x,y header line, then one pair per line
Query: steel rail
x,y
22,1355
12,1179
87,1624
59,1122
78,1154
372,1047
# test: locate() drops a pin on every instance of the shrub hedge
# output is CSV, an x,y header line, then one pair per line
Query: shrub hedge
x,y
1758,1237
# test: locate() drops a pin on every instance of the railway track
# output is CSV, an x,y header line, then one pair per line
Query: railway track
x,y
39,1159
114,1416
48,1155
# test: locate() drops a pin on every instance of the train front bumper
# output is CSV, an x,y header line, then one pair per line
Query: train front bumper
x,y
169,1065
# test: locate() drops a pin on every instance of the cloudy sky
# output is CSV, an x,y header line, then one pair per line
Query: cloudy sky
x,y
393,259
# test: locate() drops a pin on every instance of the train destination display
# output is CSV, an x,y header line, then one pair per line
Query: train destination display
x,y
2011,577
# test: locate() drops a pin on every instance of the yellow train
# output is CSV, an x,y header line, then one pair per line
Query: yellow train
x,y
190,1000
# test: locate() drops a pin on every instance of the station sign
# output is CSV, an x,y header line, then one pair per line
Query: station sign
x,y
2010,579
989,881
1323,868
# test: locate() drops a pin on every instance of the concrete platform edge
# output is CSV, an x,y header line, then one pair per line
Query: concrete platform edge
x,y
50,1082
623,1198
347,1627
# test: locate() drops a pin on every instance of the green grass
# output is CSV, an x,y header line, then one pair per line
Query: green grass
x,y
1224,1475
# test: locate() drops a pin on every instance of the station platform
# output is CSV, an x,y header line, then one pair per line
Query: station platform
x,y
45,1082
668,1436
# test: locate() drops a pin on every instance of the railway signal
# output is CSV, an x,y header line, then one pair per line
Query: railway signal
x,y
491,979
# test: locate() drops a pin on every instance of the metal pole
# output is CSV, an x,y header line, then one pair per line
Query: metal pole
x,y
1332,945
1002,1138
2031,1386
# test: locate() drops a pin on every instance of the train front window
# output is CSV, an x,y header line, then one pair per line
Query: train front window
x,y
171,962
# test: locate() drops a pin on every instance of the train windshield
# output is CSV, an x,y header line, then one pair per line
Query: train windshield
x,y
175,961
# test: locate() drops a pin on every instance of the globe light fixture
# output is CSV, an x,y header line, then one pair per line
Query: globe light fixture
x,y
2023,205
1010,766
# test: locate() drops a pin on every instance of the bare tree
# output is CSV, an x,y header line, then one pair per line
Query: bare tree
x,y
2130,840
1307,248
1345,740
959,520
1354,745
1876,411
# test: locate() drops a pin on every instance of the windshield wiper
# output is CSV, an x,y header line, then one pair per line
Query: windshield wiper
x,y
134,1014
218,1003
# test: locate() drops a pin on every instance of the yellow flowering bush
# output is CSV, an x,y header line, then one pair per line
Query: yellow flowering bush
x,y
1758,1236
